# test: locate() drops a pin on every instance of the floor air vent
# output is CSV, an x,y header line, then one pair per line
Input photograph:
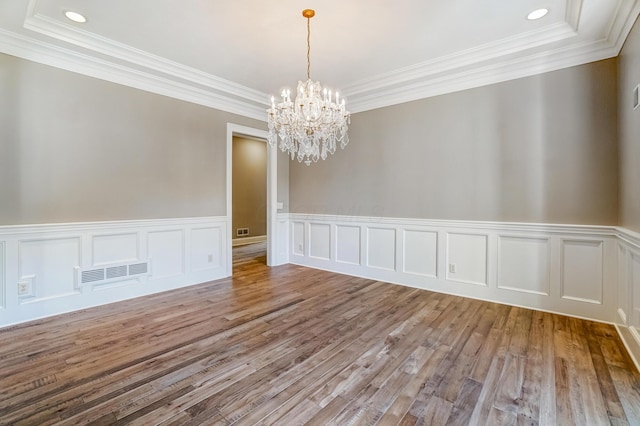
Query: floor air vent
x,y
112,272
116,272
138,268
92,276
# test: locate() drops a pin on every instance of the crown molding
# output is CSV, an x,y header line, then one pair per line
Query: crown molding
x,y
572,14
486,64
496,72
486,52
73,35
70,60
623,21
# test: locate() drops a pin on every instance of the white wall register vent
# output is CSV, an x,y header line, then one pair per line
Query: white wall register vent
x,y
112,272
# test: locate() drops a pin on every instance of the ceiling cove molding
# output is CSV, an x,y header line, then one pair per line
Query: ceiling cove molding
x,y
572,14
626,15
483,76
422,71
70,34
56,56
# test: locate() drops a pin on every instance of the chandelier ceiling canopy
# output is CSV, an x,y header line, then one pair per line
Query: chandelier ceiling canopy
x,y
312,125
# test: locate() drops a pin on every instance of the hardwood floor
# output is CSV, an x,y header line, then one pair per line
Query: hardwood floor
x,y
290,345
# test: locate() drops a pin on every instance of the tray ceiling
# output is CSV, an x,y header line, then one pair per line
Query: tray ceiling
x,y
233,55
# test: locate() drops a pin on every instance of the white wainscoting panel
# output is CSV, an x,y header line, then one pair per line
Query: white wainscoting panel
x,y
282,239
298,239
51,269
381,248
111,285
206,248
467,258
320,240
119,248
582,270
635,296
48,268
624,292
523,264
420,253
3,290
166,251
628,312
556,268
348,244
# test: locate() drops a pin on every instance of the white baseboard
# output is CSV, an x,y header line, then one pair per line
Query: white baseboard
x,y
631,340
41,266
248,240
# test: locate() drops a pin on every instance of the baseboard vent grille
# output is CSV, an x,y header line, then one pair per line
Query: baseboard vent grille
x,y
116,272
138,268
112,272
92,276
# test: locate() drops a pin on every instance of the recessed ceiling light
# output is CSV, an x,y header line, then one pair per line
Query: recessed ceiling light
x,y
537,14
75,16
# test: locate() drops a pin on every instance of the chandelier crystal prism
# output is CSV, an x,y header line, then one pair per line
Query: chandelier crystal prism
x,y
312,125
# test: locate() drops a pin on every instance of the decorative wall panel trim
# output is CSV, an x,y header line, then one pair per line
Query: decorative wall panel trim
x,y
48,268
628,284
298,238
166,249
520,264
420,253
348,244
114,248
467,260
582,265
623,284
3,290
320,241
524,264
57,268
206,248
381,248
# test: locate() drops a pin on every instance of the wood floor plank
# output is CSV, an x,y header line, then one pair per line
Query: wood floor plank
x,y
564,408
463,406
291,345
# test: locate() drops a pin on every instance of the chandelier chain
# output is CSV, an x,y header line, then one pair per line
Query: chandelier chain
x,y
308,48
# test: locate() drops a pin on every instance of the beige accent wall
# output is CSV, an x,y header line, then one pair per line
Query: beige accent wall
x,y
75,148
629,67
249,182
537,149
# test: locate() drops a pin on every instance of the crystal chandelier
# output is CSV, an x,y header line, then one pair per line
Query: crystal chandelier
x,y
311,126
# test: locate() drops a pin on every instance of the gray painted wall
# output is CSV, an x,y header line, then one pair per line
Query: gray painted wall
x,y
629,66
249,186
538,149
75,148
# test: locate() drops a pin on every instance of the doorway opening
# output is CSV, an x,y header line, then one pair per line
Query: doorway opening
x,y
254,223
249,200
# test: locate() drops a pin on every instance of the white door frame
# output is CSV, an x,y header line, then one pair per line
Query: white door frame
x,y
272,191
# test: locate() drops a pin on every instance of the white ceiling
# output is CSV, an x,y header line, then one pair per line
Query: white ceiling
x,y
232,55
